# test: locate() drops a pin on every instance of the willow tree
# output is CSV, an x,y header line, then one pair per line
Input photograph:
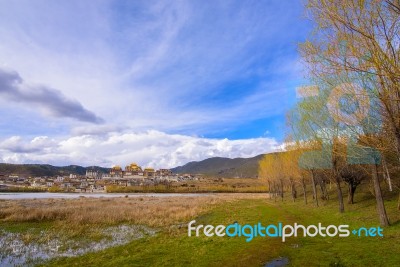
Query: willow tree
x,y
311,122
292,171
370,32
264,173
358,43
269,170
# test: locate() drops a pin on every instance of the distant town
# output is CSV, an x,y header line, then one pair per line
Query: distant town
x,y
95,180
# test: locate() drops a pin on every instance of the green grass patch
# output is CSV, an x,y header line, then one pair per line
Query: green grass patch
x,y
22,227
175,248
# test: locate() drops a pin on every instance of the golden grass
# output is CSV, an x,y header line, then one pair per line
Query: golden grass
x,y
151,211
205,185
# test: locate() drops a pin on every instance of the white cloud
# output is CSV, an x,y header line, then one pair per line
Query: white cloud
x,y
17,145
144,62
147,68
150,148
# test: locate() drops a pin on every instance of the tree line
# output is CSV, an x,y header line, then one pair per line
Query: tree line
x,y
345,127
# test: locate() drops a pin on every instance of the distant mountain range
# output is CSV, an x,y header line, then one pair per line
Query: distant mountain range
x,y
223,167
44,169
216,167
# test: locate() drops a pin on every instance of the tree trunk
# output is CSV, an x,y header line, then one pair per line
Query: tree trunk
x,y
303,183
338,187
292,190
379,199
314,187
397,133
350,196
323,189
340,195
387,174
269,189
398,203
281,181
326,193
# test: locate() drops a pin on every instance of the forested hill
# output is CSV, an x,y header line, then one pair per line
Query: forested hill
x,y
216,166
44,169
223,167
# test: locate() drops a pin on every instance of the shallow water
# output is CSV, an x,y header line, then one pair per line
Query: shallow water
x,y
279,262
15,250
94,195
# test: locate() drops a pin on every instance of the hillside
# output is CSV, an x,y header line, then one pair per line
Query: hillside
x,y
44,169
217,167
223,167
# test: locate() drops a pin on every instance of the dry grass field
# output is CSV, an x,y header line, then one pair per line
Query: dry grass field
x,y
204,185
151,211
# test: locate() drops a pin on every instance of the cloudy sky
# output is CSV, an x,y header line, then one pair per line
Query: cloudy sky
x,y
160,83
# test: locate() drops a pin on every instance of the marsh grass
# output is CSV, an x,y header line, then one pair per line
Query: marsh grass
x,y
204,185
78,214
180,250
38,229
34,230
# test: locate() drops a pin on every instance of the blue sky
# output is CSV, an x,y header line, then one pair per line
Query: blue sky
x,y
211,78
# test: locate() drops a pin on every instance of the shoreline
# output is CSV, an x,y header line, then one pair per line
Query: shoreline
x,y
76,195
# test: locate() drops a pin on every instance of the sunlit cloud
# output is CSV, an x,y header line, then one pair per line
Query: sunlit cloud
x,y
150,148
182,67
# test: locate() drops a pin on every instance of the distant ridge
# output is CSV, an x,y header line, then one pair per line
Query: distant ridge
x,y
216,166
44,169
223,167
